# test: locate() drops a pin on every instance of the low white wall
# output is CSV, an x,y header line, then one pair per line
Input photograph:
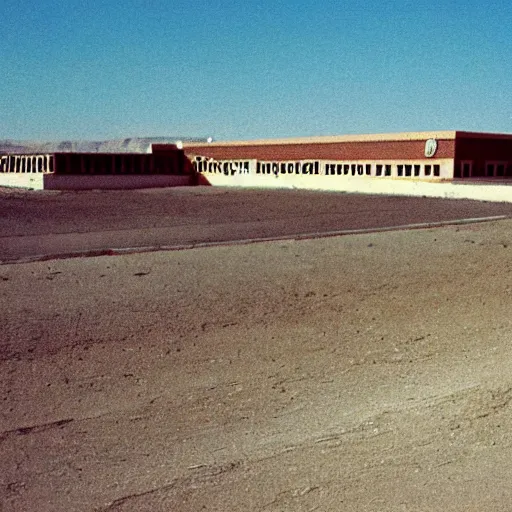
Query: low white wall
x,y
99,181
22,180
368,185
40,181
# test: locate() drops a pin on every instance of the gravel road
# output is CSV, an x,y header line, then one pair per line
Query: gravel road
x,y
56,223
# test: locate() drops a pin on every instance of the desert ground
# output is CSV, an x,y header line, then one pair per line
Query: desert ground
x,y
364,372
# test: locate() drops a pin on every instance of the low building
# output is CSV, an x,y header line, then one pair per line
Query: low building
x,y
451,164
96,170
431,156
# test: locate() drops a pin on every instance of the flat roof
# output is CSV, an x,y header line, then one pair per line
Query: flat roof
x,y
79,153
375,137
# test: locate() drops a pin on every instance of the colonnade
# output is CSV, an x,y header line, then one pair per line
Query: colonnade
x,y
26,163
94,163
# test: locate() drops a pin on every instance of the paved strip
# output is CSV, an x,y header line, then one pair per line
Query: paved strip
x,y
117,251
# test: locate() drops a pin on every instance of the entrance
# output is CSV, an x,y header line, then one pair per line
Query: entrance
x,y
466,168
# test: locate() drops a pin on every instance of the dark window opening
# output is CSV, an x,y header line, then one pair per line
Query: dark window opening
x,y
346,168
128,164
378,170
388,170
428,170
142,164
437,170
368,169
86,165
417,170
408,170
500,170
400,170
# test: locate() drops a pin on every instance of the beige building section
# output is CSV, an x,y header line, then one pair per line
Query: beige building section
x,y
226,174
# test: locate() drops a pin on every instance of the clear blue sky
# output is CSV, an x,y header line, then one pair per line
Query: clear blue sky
x,y
95,69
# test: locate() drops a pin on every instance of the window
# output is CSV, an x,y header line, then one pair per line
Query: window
x,y
388,170
346,168
353,169
466,169
495,169
378,170
417,170
117,164
428,170
339,169
400,170
144,167
360,170
408,170
368,169
437,170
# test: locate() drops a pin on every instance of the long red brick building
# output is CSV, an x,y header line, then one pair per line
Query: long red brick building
x,y
425,155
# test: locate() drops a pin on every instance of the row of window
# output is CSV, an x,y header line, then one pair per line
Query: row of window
x,y
415,170
402,170
73,163
490,169
229,167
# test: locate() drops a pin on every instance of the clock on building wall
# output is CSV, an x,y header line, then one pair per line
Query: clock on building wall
x,y
430,148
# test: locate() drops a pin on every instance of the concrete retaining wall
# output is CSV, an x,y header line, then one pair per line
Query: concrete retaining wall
x,y
22,180
70,182
40,181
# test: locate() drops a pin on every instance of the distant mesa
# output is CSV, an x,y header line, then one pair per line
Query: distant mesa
x,y
129,145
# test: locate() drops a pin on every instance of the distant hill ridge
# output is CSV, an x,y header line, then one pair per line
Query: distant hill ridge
x,y
128,145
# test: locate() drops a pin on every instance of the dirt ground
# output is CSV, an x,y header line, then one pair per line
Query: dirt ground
x,y
36,223
362,373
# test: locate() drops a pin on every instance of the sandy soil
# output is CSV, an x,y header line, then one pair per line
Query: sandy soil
x,y
367,372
